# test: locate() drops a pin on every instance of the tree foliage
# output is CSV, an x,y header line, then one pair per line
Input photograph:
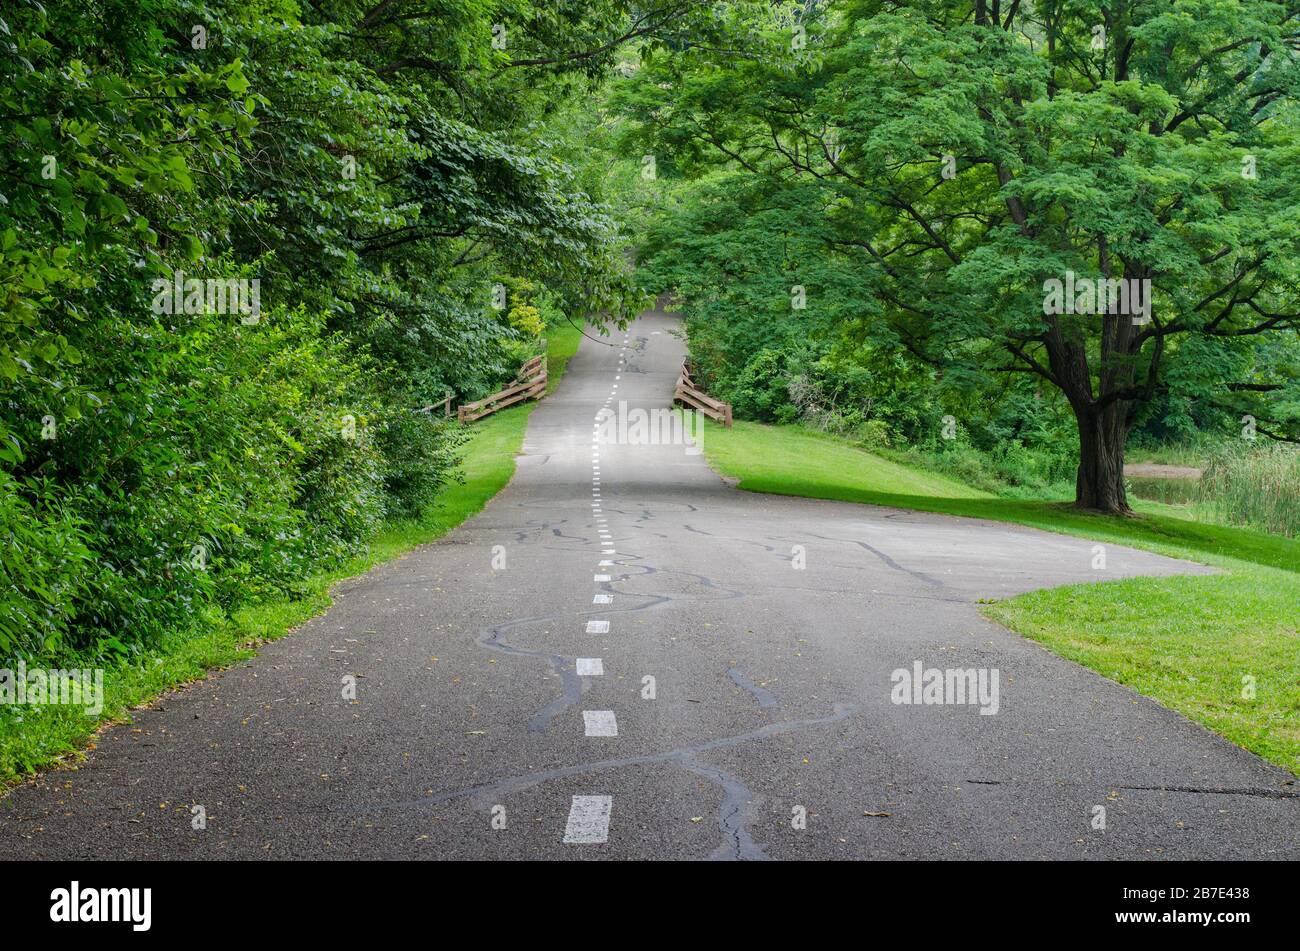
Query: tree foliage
x,y
375,167
957,155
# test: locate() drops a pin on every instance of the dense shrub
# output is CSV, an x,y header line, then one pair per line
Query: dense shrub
x,y
420,451
220,467
160,468
761,389
45,563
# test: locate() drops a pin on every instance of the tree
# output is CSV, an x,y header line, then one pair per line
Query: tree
x,y
973,155
374,166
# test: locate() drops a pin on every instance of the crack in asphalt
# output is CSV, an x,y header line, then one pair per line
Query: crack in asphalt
x,y
1226,791
737,844
1257,791
733,813
766,699
919,575
572,686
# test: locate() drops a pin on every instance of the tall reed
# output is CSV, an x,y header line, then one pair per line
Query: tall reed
x,y
1257,486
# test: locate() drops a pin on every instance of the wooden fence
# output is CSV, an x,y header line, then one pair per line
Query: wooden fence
x,y
699,400
444,403
529,384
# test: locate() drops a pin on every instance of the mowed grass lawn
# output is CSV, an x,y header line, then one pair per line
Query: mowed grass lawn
x,y
1199,645
36,737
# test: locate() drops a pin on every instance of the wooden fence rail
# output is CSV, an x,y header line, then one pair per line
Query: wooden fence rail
x,y
530,383
697,399
445,403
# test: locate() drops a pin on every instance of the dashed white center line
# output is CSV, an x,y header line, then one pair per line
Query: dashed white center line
x,y
600,722
588,820
589,815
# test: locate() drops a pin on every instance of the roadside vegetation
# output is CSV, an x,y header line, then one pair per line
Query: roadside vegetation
x,y
241,245
867,228
32,737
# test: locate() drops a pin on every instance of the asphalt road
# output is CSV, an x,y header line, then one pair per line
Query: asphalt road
x,y
771,628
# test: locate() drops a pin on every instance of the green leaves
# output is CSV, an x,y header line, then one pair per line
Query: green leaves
x,y
976,161
371,177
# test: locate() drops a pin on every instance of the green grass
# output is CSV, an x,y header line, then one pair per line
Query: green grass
x,y
1170,491
776,459
1186,642
34,737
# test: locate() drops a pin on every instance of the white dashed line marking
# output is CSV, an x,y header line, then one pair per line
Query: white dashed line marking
x,y
600,578
597,627
600,722
603,599
590,667
588,820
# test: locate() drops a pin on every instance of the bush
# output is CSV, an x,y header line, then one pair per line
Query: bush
x,y
225,466
420,455
761,389
44,564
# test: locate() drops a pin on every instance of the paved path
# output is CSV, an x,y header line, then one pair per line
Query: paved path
x,y
517,694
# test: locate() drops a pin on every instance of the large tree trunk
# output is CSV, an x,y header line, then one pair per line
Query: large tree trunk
x,y
1103,434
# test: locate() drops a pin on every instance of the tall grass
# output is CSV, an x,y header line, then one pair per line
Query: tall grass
x,y
1168,491
1255,486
